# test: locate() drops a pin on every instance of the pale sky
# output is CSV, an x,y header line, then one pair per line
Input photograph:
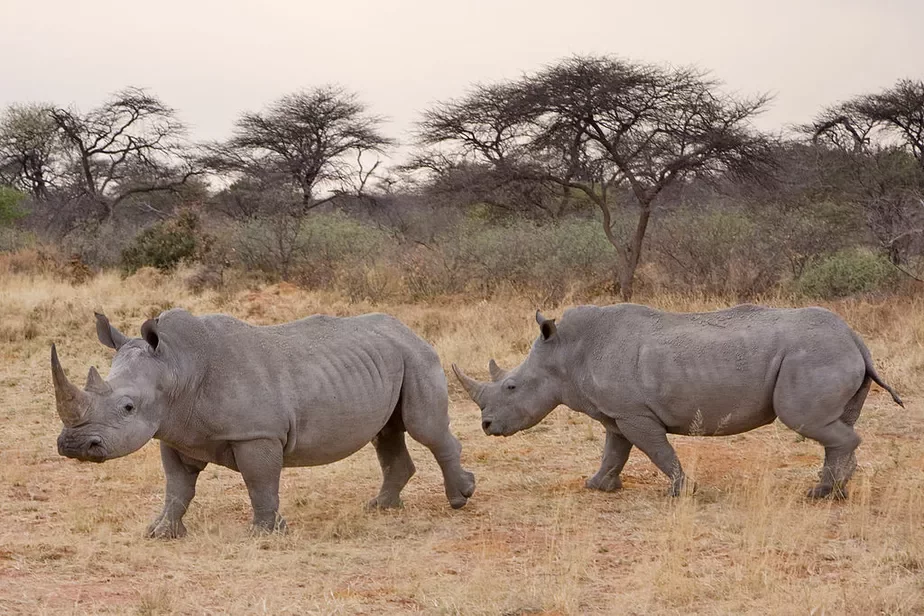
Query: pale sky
x,y
214,59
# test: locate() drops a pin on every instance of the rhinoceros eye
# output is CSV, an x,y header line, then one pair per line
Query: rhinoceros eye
x,y
128,407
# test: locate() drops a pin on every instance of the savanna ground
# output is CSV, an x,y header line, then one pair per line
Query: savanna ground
x,y
532,540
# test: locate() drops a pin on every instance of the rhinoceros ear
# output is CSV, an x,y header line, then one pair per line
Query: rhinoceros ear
x,y
546,326
149,333
107,334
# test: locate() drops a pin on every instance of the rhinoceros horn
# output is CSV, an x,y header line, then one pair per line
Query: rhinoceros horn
x,y
497,373
472,387
72,401
96,384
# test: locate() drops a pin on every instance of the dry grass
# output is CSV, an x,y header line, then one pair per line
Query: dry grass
x,y
531,541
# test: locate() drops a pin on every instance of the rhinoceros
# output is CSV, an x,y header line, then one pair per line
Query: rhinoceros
x,y
255,399
644,374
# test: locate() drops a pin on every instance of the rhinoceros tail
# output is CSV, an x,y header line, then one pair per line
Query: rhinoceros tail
x,y
872,374
871,371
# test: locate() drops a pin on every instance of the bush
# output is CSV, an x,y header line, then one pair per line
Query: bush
x,y
165,244
717,252
543,261
11,206
846,272
99,245
309,251
11,210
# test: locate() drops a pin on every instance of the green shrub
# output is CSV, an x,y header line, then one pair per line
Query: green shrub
x,y
165,244
844,273
11,206
11,210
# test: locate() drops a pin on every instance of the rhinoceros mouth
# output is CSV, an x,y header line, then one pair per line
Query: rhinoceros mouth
x,y
495,428
85,449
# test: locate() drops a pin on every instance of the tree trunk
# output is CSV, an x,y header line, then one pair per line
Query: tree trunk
x,y
625,273
87,173
626,278
630,255
629,252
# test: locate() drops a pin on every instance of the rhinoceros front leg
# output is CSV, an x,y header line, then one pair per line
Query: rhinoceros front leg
x,y
260,463
651,437
181,473
615,454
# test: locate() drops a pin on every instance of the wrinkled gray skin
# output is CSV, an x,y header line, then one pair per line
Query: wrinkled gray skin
x,y
216,390
645,374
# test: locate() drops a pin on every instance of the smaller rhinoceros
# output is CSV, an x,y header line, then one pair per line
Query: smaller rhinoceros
x,y
644,374
214,389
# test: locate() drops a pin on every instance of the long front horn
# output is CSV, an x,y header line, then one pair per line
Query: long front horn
x,y
471,386
71,400
497,373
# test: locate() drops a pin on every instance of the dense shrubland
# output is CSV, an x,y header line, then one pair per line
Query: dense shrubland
x,y
594,177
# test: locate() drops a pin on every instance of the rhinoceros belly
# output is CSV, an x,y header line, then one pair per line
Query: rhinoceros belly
x,y
330,431
702,388
347,400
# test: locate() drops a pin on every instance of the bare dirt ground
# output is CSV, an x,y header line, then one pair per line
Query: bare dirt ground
x,y
532,540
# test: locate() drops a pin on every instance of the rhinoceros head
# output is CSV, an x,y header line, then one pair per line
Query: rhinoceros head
x,y
112,418
521,398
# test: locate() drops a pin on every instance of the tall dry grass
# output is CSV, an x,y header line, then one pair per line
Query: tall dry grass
x,y
531,541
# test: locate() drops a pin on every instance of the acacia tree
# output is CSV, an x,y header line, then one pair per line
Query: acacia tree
x,y
487,162
131,145
29,149
307,139
613,132
876,147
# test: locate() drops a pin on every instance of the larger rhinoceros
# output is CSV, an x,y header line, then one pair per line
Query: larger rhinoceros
x,y
645,374
213,389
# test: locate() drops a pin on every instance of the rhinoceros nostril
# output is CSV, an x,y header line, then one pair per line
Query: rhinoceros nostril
x,y
93,441
485,425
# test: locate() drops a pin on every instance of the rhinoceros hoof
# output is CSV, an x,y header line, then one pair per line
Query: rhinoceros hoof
x,y
163,529
685,488
825,491
604,485
268,527
384,502
465,489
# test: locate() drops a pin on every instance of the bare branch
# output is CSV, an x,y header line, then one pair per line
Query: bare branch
x,y
130,145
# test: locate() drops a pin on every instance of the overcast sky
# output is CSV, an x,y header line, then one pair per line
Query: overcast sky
x,y
213,59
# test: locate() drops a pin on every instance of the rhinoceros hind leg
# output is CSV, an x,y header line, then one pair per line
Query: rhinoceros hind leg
x,y
260,463
855,405
425,411
615,454
825,412
397,466
458,482
840,442
181,474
